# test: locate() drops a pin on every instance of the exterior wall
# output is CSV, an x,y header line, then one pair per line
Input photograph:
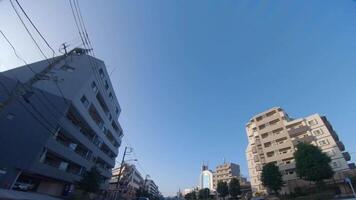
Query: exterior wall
x,y
273,137
152,188
76,146
226,172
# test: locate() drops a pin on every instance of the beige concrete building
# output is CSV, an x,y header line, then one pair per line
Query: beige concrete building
x,y
272,137
225,173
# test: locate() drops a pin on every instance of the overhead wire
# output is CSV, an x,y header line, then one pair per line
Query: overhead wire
x,y
34,26
35,42
29,67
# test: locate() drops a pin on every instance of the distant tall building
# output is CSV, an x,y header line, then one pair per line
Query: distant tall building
x,y
57,121
225,173
273,136
206,178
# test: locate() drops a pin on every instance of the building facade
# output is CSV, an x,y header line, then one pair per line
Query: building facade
x,y
225,173
206,178
57,121
273,136
152,188
130,182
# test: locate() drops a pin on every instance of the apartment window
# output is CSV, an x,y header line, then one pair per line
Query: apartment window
x,y
318,132
259,118
274,122
94,87
264,135
331,153
312,122
67,68
270,154
110,96
85,101
106,85
335,164
262,126
267,144
116,110
101,72
324,142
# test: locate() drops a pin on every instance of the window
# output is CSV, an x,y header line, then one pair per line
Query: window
x,y
85,101
324,142
94,87
331,153
335,164
101,72
267,144
318,132
110,96
262,126
67,68
270,154
106,85
116,110
312,122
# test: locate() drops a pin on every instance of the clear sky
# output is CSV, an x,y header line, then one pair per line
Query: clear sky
x,y
190,74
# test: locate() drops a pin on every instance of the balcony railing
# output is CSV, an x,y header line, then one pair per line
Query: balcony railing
x,y
346,156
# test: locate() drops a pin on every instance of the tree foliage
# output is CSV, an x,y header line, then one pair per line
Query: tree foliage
x,y
222,189
191,196
204,193
312,164
91,181
271,177
234,188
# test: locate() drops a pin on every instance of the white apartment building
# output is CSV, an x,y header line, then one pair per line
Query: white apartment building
x,y
225,172
272,137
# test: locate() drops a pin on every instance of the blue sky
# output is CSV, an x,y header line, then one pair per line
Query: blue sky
x,y
190,74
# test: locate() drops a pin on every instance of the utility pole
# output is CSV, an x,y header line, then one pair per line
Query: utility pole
x,y
126,152
65,48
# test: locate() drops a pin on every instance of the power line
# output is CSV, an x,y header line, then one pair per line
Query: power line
x,y
28,31
15,52
34,40
24,106
49,46
31,69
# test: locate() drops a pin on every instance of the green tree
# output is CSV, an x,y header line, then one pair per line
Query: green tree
x,y
90,183
312,164
204,193
271,177
190,196
222,189
234,188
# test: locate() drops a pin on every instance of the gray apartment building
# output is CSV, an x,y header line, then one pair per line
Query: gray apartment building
x,y
58,119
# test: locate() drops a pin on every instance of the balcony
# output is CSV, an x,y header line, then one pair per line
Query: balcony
x,y
346,156
306,139
340,145
334,135
294,132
